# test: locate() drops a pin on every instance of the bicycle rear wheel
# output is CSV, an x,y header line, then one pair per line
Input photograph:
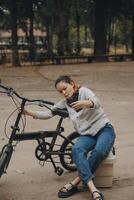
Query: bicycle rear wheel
x,y
5,156
66,152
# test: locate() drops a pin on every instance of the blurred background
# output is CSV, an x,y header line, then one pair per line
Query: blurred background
x,y
39,31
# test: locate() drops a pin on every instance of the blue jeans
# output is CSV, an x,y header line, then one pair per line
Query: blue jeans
x,y
99,145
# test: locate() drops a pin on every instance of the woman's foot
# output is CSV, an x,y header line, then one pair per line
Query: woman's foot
x,y
97,195
68,190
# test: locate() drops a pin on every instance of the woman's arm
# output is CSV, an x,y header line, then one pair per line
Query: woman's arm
x,y
29,113
38,114
44,114
82,104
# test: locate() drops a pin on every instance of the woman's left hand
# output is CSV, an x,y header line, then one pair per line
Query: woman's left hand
x,y
81,104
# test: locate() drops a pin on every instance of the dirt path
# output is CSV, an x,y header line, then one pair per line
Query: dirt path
x,y
113,83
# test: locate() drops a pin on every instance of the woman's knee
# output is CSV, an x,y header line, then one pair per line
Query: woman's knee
x,y
76,151
100,154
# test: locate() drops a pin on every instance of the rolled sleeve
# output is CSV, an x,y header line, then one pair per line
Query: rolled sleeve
x,y
43,115
89,95
95,101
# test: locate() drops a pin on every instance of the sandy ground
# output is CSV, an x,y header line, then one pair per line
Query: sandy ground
x,y
113,83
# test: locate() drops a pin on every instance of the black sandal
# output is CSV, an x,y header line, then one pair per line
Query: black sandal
x,y
100,197
67,191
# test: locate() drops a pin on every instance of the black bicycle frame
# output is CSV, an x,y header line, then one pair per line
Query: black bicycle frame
x,y
15,127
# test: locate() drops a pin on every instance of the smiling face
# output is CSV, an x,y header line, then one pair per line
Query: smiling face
x,y
65,89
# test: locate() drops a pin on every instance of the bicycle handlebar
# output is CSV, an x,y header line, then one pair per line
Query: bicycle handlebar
x,y
10,92
61,112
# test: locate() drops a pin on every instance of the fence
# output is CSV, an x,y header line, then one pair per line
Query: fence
x,y
42,58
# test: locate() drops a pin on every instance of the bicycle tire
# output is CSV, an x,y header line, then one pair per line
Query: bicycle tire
x,y
66,147
5,157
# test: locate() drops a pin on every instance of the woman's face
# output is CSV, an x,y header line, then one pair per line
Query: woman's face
x,y
65,89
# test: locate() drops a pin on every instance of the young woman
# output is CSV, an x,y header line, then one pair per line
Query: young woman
x,y
96,133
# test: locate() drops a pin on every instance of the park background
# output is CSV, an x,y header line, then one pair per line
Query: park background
x,y
41,31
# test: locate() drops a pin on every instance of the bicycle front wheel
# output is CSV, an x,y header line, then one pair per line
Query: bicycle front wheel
x,y
5,156
66,152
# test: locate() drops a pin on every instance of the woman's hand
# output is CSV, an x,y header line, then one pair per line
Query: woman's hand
x,y
29,113
82,104
25,112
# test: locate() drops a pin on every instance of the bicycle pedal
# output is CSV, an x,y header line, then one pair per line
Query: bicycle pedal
x,y
59,171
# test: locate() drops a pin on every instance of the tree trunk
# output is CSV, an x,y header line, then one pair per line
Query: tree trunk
x,y
100,27
78,32
67,42
133,36
109,40
126,37
85,34
15,54
77,28
63,9
61,41
115,38
32,48
49,41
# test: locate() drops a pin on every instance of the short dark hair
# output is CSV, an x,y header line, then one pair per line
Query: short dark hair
x,y
63,78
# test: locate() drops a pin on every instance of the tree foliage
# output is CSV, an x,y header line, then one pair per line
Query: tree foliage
x,y
70,25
